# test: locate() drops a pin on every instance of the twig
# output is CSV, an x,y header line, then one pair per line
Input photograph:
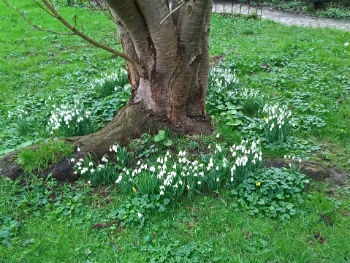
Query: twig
x,y
50,9
171,12
34,25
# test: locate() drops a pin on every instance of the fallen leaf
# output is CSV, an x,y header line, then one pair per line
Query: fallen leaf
x,y
325,218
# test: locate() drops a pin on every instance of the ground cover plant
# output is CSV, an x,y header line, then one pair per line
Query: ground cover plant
x,y
322,8
275,91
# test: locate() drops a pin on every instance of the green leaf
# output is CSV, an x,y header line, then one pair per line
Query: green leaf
x,y
160,136
168,142
235,122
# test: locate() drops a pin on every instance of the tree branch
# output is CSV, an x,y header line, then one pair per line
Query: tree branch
x,y
88,39
164,38
132,19
191,21
34,25
53,12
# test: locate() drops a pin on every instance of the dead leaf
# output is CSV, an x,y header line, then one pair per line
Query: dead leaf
x,y
326,219
320,239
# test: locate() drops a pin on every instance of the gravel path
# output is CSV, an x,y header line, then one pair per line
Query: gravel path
x,y
283,17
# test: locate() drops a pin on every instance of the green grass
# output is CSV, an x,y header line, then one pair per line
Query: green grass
x,y
44,221
304,68
58,223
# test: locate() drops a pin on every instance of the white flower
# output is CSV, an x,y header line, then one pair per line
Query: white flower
x,y
114,148
139,215
218,148
119,179
91,164
346,44
104,159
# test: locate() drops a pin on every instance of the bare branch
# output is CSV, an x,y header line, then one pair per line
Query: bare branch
x,y
88,39
34,25
43,8
50,9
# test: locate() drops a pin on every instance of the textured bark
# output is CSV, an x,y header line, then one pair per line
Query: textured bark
x,y
173,51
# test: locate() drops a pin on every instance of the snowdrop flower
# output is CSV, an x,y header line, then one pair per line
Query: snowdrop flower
x,y
346,44
114,148
118,179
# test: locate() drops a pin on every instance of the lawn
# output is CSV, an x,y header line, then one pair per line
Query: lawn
x,y
261,71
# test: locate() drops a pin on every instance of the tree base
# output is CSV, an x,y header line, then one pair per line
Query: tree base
x,y
129,123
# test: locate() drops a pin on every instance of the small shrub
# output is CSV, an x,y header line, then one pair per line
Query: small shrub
x,y
253,101
70,120
108,84
277,123
172,176
95,173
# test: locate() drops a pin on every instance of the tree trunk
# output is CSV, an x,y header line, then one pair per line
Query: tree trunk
x,y
167,42
170,42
